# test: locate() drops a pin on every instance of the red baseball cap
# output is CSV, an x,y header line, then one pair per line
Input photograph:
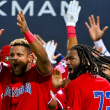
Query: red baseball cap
x,y
5,53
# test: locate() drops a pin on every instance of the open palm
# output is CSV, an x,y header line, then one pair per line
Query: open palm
x,y
94,29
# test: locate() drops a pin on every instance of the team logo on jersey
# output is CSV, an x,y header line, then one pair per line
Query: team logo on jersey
x,y
15,92
6,58
60,92
63,63
61,68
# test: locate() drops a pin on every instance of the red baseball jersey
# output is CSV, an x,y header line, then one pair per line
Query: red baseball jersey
x,y
88,92
62,66
29,92
61,99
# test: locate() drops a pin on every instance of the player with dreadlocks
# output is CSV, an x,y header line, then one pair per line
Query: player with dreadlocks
x,y
86,86
105,71
96,35
92,64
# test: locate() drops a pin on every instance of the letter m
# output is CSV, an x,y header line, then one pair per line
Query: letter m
x,y
16,6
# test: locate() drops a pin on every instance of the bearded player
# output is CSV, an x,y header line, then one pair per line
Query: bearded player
x,y
86,89
24,86
87,86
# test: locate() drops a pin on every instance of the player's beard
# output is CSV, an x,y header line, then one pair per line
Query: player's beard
x,y
74,74
22,70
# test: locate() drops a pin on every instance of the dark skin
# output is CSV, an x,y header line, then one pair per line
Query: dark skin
x,y
19,58
42,62
73,61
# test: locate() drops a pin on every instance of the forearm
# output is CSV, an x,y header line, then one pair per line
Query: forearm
x,y
43,62
72,39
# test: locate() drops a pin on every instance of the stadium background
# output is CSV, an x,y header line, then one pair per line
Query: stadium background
x,y
49,26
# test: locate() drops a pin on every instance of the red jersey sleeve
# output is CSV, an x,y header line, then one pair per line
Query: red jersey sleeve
x,y
50,98
61,99
44,77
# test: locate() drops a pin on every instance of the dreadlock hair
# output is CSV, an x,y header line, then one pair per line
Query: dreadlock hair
x,y
21,42
107,60
93,61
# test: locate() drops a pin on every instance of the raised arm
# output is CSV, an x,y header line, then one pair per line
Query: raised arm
x,y
50,48
43,63
71,18
96,33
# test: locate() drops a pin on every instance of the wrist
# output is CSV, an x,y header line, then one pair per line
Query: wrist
x,y
29,37
100,43
71,32
71,24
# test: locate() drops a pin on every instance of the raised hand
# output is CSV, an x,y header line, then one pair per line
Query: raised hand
x,y
1,31
57,80
71,17
94,28
22,22
50,49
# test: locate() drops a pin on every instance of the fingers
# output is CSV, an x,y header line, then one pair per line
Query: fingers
x,y
33,56
90,21
93,20
57,72
98,21
20,25
48,44
63,10
19,19
70,6
104,29
1,31
87,25
76,5
57,56
52,46
22,15
79,9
